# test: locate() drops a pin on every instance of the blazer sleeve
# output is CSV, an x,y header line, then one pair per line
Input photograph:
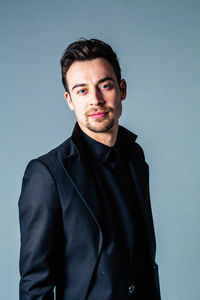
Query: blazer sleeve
x,y
40,229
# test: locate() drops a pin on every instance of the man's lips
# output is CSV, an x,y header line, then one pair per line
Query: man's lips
x,y
98,115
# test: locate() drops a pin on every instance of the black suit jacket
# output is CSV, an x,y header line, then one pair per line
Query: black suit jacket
x,y
61,238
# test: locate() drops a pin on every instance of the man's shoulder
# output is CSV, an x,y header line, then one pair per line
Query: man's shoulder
x,y
58,153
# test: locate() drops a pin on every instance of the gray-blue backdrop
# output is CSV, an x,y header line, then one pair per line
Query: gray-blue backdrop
x,y
158,43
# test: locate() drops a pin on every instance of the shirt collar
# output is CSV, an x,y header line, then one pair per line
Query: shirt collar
x,y
97,149
103,152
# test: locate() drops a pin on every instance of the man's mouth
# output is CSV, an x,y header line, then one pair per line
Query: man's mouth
x,y
98,115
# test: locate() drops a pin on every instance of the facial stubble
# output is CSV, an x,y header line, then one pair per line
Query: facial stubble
x,y
102,124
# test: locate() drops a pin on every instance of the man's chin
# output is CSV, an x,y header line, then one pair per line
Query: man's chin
x,y
100,128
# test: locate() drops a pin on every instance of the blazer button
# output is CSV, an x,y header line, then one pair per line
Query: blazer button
x,y
131,289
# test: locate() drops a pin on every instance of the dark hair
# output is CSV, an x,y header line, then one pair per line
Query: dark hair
x,y
86,50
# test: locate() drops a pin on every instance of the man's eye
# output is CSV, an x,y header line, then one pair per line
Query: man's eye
x,y
81,91
105,86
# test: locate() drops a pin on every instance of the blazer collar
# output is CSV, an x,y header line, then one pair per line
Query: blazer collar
x,y
124,138
78,170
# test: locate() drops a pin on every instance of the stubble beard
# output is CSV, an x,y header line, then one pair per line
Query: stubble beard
x,y
100,125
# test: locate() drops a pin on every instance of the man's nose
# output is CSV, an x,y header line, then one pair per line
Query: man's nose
x,y
96,98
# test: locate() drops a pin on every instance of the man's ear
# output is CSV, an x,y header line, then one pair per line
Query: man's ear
x,y
69,101
123,89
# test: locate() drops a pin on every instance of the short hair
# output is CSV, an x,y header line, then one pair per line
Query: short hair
x,y
85,49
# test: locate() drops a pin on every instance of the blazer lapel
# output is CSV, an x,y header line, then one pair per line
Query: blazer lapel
x,y
139,171
79,173
140,174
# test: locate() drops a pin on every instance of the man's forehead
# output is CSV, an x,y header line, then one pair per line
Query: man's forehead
x,y
89,71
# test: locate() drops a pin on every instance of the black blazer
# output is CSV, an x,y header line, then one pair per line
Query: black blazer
x,y
61,238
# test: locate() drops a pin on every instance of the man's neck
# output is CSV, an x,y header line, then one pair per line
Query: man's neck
x,y
107,138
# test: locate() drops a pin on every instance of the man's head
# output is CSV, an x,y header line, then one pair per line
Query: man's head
x,y
94,88
83,50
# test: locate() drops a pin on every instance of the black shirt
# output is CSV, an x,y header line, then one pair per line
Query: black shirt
x,y
124,250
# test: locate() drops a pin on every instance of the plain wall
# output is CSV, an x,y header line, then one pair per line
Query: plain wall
x,y
158,46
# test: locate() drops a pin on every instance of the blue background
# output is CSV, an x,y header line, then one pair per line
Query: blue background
x,y
158,44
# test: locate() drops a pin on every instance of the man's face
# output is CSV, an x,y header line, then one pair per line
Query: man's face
x,y
94,94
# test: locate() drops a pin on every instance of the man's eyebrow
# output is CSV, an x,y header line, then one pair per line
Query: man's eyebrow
x,y
98,82
78,85
105,79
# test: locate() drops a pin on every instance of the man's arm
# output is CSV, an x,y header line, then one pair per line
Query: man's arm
x,y
40,223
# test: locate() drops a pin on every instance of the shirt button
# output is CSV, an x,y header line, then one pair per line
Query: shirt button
x,y
131,289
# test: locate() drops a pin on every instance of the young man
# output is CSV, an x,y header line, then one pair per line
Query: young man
x,y
85,215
